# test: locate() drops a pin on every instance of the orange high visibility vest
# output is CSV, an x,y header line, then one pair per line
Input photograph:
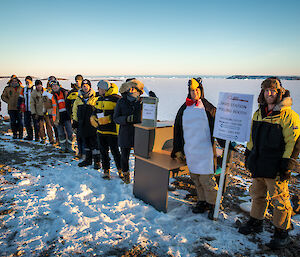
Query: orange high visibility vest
x,y
58,100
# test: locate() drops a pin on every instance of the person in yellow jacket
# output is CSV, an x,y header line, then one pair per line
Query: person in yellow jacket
x,y
107,129
71,97
10,96
83,109
270,156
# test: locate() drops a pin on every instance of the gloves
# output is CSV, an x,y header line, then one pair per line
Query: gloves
x,y
130,118
105,120
180,157
246,154
286,165
94,121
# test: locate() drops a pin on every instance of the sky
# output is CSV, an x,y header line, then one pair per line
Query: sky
x,y
113,37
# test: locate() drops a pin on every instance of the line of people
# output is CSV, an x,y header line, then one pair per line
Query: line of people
x,y
101,121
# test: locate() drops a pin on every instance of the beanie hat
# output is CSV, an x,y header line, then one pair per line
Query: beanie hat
x,y
51,78
86,82
28,78
78,77
125,87
104,84
54,82
38,82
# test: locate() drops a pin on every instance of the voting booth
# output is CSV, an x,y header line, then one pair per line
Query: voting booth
x,y
153,164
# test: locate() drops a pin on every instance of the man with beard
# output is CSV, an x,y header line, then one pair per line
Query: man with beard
x,y
270,156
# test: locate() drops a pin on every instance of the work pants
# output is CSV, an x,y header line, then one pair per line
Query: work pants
x,y
265,190
16,122
206,187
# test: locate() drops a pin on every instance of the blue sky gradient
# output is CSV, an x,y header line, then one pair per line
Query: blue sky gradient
x,y
149,37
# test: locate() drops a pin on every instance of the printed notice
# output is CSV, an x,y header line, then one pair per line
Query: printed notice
x,y
149,111
233,117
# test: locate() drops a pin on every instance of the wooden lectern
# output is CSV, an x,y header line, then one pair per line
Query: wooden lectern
x,y
153,164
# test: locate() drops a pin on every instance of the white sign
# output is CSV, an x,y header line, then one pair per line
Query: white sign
x,y
149,111
233,117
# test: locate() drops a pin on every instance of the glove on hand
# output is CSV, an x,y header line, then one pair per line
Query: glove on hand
x,y
130,118
105,120
246,154
286,165
180,157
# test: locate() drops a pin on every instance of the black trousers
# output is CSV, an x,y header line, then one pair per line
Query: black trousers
x,y
16,122
28,120
106,142
125,153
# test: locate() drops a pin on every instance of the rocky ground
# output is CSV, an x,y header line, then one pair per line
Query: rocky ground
x,y
237,184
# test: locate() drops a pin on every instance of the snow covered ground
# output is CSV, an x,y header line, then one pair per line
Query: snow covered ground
x,y
49,205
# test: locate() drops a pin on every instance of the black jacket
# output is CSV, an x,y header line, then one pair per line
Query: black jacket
x,y
124,109
274,142
82,112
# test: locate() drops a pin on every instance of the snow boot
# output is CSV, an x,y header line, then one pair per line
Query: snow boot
x,y
211,210
281,239
97,163
106,174
68,146
251,226
126,177
14,129
88,160
20,132
120,172
29,133
200,207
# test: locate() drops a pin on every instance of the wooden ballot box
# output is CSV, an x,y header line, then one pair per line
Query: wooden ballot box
x,y
153,164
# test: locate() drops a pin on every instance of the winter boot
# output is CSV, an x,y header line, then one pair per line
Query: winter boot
x,y
88,160
106,174
126,177
68,146
29,134
15,131
20,132
200,207
281,239
120,172
211,210
251,226
97,163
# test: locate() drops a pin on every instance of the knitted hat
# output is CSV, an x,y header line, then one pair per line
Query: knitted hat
x,y
51,78
28,78
104,84
38,82
78,77
86,82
